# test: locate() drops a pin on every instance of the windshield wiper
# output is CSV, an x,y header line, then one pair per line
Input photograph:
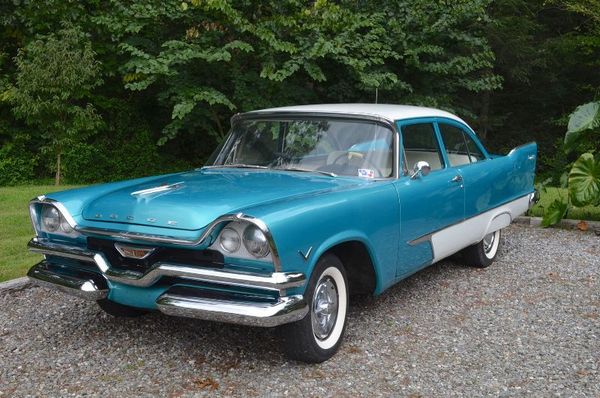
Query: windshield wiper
x,y
236,166
327,173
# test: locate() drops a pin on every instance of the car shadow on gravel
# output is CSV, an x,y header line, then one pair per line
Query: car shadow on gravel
x,y
193,339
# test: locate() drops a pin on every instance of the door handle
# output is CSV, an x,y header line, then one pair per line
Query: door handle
x,y
456,178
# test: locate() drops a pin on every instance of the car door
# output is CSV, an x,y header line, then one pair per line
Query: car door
x,y
468,158
427,203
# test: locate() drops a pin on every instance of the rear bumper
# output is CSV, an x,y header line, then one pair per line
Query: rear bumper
x,y
95,284
534,197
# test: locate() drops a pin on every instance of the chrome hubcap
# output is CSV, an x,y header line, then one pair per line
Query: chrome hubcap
x,y
488,242
324,308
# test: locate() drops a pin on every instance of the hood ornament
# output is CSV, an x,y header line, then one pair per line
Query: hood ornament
x,y
158,189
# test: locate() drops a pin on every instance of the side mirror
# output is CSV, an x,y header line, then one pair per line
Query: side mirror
x,y
421,168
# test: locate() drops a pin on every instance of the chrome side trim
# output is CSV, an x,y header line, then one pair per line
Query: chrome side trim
x,y
427,237
83,284
423,238
277,281
284,310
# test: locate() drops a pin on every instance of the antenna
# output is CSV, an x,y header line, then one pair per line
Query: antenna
x,y
376,94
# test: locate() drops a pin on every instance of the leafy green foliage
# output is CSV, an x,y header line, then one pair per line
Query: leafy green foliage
x,y
55,75
17,164
173,73
585,117
223,56
555,212
584,181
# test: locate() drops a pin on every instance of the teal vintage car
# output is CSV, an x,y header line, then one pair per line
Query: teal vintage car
x,y
298,209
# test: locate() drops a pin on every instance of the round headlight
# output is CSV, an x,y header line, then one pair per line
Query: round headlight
x,y
64,226
229,240
51,218
255,241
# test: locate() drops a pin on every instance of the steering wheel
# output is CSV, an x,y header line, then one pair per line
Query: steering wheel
x,y
359,155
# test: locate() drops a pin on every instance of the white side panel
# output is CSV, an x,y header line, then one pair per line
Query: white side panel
x,y
452,239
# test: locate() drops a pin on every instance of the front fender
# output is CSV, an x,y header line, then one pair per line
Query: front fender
x,y
309,226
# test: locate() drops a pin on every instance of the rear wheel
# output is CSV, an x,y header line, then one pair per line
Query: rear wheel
x,y
483,253
120,310
318,336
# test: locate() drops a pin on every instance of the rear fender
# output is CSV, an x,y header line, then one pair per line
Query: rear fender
x,y
524,159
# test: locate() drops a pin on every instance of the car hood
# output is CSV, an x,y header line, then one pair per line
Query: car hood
x,y
191,200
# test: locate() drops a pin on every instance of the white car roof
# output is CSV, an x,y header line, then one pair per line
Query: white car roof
x,y
385,111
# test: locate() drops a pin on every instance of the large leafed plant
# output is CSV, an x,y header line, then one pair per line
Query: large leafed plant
x,y
583,179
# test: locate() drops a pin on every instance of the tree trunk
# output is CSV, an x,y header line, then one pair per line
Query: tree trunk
x,y
57,176
484,117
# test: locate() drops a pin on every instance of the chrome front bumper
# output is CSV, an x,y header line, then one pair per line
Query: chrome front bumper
x,y
93,285
285,310
86,285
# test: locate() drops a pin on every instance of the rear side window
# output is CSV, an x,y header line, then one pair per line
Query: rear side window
x,y
420,143
460,148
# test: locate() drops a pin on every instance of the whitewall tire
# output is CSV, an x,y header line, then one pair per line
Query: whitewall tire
x,y
319,334
483,253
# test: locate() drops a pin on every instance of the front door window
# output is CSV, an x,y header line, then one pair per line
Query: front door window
x,y
420,144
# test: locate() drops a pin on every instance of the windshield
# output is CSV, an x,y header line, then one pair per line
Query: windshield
x,y
332,146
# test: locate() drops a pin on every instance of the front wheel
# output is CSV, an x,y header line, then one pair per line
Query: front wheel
x,y
483,253
319,334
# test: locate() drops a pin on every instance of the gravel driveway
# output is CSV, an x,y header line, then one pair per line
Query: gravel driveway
x,y
528,326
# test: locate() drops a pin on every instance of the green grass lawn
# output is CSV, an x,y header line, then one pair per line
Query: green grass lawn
x,y
589,213
16,229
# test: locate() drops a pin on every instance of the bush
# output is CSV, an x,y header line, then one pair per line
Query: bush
x,y
17,164
123,156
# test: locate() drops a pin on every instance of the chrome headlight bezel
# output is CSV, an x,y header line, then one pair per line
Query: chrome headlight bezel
x,y
255,241
42,209
243,250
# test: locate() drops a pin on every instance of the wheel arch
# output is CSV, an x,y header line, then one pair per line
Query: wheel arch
x,y
360,263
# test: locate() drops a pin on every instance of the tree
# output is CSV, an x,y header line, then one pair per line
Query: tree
x,y
583,131
54,78
204,60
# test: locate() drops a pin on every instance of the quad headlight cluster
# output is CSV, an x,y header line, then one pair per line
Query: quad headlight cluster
x,y
52,221
238,238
